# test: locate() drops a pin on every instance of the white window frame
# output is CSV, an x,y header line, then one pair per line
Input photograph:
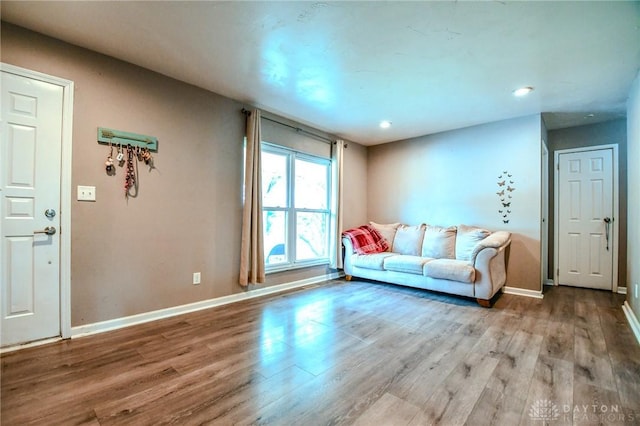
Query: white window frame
x,y
291,211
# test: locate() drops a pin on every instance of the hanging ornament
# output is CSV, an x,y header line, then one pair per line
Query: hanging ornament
x,y
131,179
110,168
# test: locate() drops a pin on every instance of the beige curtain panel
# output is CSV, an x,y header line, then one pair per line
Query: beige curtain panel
x,y
252,247
335,242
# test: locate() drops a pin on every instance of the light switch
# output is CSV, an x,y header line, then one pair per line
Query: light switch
x,y
86,193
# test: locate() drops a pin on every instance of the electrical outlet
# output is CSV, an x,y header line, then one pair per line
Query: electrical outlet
x,y
86,193
196,278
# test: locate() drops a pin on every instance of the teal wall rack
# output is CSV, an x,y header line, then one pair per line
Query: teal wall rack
x,y
117,137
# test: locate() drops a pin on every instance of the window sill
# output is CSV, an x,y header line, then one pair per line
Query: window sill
x,y
294,266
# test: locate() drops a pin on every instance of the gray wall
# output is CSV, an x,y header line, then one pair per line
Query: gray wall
x,y
612,132
139,256
633,162
452,178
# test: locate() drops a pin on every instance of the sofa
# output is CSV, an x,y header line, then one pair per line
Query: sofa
x,y
461,260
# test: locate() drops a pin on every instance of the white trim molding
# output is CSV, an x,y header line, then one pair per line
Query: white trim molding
x,y
622,290
20,346
633,320
117,323
536,294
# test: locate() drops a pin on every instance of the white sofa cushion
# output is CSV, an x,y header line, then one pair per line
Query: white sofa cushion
x,y
408,240
466,240
406,263
439,242
450,269
370,261
388,231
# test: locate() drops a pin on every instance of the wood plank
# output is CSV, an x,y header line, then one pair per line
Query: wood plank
x,y
625,359
596,405
389,410
341,394
434,366
453,401
551,387
502,401
559,340
591,360
338,353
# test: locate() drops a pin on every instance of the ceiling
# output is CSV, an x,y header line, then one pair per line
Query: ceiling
x,y
342,67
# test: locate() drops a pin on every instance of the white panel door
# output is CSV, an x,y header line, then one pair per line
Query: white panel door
x,y
30,162
585,204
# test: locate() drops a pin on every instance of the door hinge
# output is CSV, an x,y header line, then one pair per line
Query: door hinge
x,y
558,272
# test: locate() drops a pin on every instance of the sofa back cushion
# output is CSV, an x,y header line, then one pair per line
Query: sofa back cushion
x,y
439,242
408,240
466,240
387,230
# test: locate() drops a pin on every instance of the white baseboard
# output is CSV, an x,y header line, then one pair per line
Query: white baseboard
x,y
117,323
548,282
633,320
537,294
622,290
29,345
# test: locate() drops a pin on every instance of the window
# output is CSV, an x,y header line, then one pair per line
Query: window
x,y
295,206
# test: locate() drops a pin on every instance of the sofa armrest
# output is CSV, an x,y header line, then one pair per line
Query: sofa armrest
x,y
348,246
496,240
490,263
348,253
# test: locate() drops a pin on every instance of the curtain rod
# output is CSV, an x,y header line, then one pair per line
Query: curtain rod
x,y
297,129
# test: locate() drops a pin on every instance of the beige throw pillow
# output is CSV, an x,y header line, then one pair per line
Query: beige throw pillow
x,y
388,231
466,240
408,239
439,242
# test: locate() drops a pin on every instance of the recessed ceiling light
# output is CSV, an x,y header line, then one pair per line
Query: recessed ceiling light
x,y
385,124
523,91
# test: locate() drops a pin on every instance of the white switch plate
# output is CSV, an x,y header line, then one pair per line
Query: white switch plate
x,y
196,278
86,193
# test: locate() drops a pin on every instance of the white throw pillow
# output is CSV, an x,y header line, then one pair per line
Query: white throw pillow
x,y
408,239
466,240
388,231
439,242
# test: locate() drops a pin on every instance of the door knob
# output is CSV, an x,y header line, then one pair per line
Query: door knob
x,y
49,230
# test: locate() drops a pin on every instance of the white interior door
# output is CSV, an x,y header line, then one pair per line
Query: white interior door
x,y
30,164
585,204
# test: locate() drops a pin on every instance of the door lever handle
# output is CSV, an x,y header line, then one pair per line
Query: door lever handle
x,y
49,230
607,223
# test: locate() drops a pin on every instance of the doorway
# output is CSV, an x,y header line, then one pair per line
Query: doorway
x,y
35,223
544,215
586,200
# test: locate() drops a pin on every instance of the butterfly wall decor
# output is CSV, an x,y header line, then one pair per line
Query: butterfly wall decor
x,y
504,194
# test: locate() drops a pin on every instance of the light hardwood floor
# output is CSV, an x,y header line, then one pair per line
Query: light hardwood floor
x,y
344,353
